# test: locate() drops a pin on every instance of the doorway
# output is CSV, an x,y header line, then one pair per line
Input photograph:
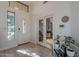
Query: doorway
x,y
49,30
46,31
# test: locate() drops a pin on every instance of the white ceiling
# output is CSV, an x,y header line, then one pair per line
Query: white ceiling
x,y
26,2
31,2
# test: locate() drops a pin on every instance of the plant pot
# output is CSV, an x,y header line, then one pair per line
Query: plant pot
x,y
70,52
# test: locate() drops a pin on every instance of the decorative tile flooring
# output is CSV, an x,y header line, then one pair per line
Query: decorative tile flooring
x,y
27,50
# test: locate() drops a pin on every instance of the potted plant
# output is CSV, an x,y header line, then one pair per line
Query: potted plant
x,y
67,40
70,52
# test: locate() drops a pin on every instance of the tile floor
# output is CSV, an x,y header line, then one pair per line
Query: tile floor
x,y
27,50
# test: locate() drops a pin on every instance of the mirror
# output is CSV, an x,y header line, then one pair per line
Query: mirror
x,y
65,19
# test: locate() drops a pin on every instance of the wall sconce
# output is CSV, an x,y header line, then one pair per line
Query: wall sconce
x,y
61,26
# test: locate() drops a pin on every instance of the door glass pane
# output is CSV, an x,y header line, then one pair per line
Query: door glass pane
x,y
41,30
48,28
49,34
10,25
24,26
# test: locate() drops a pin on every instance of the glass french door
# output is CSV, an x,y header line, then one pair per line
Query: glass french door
x,y
49,30
46,30
11,25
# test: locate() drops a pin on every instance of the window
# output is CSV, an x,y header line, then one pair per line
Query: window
x,y
18,6
11,25
24,26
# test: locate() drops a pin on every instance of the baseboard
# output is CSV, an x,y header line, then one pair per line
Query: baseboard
x,y
23,43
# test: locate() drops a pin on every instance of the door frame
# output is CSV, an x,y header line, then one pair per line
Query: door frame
x,y
44,28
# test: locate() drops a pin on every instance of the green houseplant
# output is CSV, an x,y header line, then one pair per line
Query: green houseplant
x,y
68,40
70,52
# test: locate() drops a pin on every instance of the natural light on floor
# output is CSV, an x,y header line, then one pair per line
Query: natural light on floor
x,y
28,52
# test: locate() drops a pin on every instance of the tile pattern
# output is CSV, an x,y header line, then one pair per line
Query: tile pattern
x,y
27,50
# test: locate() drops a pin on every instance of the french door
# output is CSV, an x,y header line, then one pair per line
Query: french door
x,y
46,30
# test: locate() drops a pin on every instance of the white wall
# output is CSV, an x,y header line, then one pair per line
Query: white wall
x,y
19,36
57,10
74,6
75,20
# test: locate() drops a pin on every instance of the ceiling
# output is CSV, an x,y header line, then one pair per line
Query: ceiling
x,y
31,2
26,2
